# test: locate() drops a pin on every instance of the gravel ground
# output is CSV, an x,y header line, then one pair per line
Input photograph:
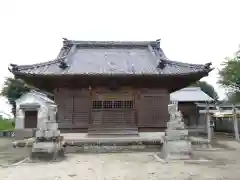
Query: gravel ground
x,y
10,155
223,162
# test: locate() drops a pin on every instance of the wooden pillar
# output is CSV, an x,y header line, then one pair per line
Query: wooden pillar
x,y
235,123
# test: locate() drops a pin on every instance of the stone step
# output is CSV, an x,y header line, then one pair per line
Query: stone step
x,y
112,131
114,147
112,128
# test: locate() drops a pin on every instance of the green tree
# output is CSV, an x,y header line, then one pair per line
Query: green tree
x,y
207,88
229,78
230,74
12,90
233,97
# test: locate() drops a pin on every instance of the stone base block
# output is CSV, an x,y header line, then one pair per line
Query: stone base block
x,y
176,134
175,125
181,146
47,155
39,134
175,138
44,147
52,126
47,150
49,134
174,131
170,157
57,133
180,149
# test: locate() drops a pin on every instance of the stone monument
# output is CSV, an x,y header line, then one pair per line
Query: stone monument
x,y
49,143
176,144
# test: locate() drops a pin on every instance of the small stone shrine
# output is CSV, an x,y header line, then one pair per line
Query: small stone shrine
x,y
176,144
49,143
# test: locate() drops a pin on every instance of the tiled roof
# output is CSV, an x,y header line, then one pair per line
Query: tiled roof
x,y
190,94
109,58
40,95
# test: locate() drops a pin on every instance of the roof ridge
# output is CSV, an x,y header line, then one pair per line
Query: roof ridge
x,y
42,96
82,42
22,67
38,92
183,64
164,58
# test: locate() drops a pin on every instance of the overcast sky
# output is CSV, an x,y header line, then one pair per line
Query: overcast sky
x,y
193,31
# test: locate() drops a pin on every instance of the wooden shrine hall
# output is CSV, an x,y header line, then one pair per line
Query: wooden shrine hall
x,y
111,86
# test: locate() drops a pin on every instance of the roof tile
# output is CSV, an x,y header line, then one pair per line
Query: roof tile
x,y
108,57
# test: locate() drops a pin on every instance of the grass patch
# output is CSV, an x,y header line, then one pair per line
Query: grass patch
x,y
6,125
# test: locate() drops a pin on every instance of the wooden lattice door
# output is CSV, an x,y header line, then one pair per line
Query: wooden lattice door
x,y
113,110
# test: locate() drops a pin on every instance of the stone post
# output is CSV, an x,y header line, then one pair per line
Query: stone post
x,y
209,130
235,123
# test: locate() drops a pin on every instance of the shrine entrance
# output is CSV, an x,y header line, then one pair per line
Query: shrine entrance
x,y
114,111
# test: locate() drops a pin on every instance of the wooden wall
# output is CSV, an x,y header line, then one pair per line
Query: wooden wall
x,y
152,108
73,108
149,111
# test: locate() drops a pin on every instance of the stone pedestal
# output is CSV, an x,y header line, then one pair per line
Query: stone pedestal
x,y
176,144
47,150
177,150
49,143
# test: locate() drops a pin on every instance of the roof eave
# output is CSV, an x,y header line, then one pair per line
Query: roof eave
x,y
203,73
